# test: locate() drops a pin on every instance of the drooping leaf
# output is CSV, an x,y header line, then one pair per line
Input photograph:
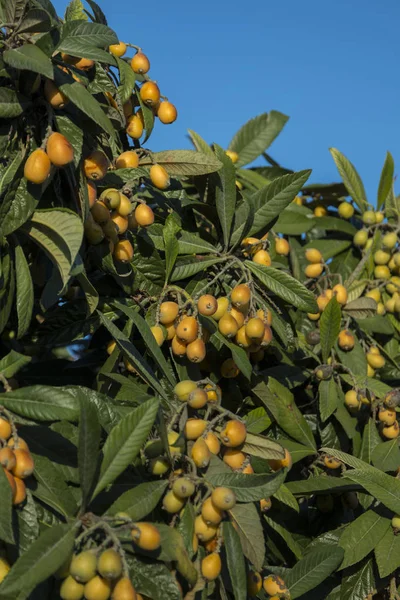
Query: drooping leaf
x,y
225,194
183,162
361,536
248,525
351,178
24,291
330,327
235,560
12,104
12,363
386,180
140,500
30,58
311,570
88,448
6,530
42,403
387,553
249,488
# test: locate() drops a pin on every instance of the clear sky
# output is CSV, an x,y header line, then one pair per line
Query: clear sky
x,y
331,65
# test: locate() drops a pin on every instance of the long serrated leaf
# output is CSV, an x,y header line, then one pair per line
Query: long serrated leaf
x,y
24,291
248,525
12,363
6,529
330,327
386,180
328,398
42,403
183,162
311,570
200,144
225,194
88,447
139,501
387,553
249,488
12,104
235,561
30,58
361,537
171,244
125,441
93,34
351,178
285,286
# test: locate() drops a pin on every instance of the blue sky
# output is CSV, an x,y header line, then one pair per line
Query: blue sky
x,y
331,65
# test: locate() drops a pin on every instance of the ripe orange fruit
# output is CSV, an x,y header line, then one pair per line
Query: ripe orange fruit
x,y
125,206
59,150
11,481
159,177
210,513
239,315
223,304
274,585
313,270
320,211
20,443
314,256
109,564
392,431
168,312
178,347
227,325
387,416
254,583
96,165
53,95
123,251
267,337
7,458
146,536
167,112
135,127
84,64
204,532
194,428
262,257
37,167
255,329
282,246
265,504
71,589
196,351
124,590
187,330
223,498
234,458
207,305
144,215
140,63
233,434
97,589
127,160
242,339
212,442
173,503
332,463
200,454
83,566
5,429
24,463
150,93
117,49
183,487
240,296
279,463
211,566
346,340
158,334
119,221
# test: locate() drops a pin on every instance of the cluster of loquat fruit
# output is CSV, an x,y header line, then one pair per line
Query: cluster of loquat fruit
x,y
97,573
273,585
384,411
56,151
15,459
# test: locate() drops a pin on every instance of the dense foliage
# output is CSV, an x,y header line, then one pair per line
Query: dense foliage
x,y
199,359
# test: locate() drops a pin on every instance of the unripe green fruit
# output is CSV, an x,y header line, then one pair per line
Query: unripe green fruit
x,y
158,466
396,522
346,210
109,564
183,487
369,217
379,216
83,566
389,240
360,238
381,257
71,589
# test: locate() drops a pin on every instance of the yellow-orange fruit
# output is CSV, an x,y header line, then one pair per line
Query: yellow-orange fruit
x,y
140,63
234,433
255,329
274,585
387,416
351,399
127,160
84,64
111,197
375,359
158,334
100,212
7,458
262,257
183,487
204,532
96,165
234,156
125,206
279,463
223,498
150,93
198,398
242,339
223,304
123,251
207,305
5,429
382,272
196,351
117,49
211,566
170,327
210,513
97,589
240,296
254,583
212,442
159,177
187,330
173,503
392,431
313,270
37,167
59,150
112,344
227,325
341,293
346,340
265,504
320,211
239,315
267,337
234,458
282,246
144,215
331,462
20,443
167,112
168,312
194,428
200,454
53,95
109,564
71,589
135,127
83,566
11,481
314,256
146,536
92,193
124,590
120,222
211,546
265,315
24,464
229,369
178,347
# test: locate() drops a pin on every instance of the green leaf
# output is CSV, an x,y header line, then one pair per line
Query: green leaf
x,y
297,451
125,441
174,549
370,439
258,445
328,398
238,354
361,536
249,488
285,496
320,484
313,569
351,178
139,501
149,340
330,327
127,78
383,487
354,359
359,583
285,286
30,58
285,535
50,486
35,21
235,560
153,579
386,455
60,233
183,162
88,447
257,135
329,248
200,144
225,194
17,207
361,308
189,266
334,224
81,32
6,529
28,523
75,11
387,553
257,420
250,531
47,554
271,200
171,244
24,291
12,363
386,180
41,403
12,104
